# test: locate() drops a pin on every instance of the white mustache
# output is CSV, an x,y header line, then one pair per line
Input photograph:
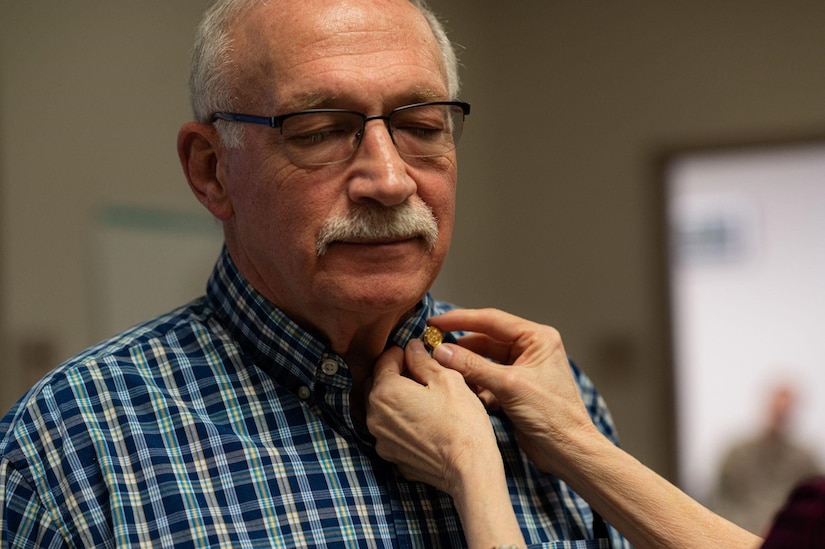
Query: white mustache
x,y
375,222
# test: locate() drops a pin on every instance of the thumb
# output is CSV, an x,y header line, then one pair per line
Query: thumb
x,y
388,367
391,362
419,362
475,369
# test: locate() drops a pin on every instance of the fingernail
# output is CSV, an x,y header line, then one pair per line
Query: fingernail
x,y
443,354
416,346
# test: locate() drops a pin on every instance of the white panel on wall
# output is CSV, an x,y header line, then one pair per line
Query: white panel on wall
x,y
148,261
747,264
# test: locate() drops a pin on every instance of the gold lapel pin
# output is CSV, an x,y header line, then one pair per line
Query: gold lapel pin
x,y
432,337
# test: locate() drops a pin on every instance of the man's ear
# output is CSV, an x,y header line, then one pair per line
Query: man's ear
x,y
198,149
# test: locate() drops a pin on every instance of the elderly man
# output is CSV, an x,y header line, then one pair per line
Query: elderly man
x,y
324,143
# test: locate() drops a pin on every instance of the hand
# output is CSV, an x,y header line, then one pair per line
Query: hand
x,y
532,381
437,431
430,424
529,377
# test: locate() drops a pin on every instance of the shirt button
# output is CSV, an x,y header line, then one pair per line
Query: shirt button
x,y
303,392
329,366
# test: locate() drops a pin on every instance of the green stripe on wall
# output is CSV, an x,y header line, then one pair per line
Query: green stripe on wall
x,y
140,218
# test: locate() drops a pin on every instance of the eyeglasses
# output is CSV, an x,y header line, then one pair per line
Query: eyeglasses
x,y
328,136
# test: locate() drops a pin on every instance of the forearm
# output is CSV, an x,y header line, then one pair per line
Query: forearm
x,y
648,510
483,503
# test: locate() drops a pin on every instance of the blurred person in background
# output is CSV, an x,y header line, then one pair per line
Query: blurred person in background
x,y
758,473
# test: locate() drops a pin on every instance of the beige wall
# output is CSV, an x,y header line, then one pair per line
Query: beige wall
x,y
92,95
558,220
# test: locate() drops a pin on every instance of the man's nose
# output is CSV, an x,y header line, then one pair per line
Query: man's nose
x,y
379,172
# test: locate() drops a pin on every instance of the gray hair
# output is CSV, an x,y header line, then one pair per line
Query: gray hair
x,y
210,81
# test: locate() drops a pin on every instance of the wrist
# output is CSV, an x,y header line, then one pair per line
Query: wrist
x,y
559,453
479,476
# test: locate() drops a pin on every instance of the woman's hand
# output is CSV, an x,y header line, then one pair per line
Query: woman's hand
x,y
427,421
522,367
532,381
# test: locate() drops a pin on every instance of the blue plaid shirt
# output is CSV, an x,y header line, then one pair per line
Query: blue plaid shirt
x,y
224,424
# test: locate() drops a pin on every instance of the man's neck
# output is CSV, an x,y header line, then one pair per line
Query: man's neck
x,y
361,343
360,348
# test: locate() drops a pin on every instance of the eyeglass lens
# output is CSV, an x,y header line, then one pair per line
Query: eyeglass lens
x,y
318,138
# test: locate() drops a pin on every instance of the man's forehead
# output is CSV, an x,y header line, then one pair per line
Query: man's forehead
x,y
281,17
288,53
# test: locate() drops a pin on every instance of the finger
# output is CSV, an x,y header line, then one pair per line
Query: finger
x,y
484,345
391,362
388,365
497,324
488,399
475,369
418,361
512,340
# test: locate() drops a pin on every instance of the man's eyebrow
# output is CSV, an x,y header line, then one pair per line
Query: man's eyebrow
x,y
422,95
319,100
306,101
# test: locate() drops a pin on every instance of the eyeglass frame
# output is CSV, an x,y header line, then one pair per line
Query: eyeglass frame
x,y
277,122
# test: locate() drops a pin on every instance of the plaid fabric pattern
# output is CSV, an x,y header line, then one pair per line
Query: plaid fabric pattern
x,y
223,424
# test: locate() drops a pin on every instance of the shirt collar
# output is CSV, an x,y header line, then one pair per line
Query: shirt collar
x,y
278,345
